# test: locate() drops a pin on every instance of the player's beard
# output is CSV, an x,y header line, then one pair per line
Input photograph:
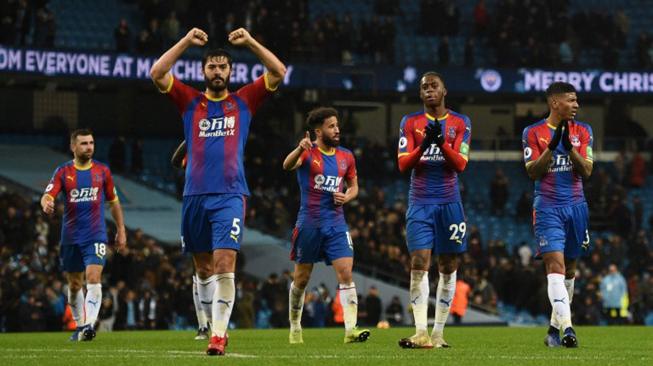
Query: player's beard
x,y
84,157
330,142
210,84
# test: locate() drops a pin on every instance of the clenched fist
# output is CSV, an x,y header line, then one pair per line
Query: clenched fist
x,y
197,37
240,37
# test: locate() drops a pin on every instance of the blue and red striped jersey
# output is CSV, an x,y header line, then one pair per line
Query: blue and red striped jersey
x,y
561,185
432,181
84,191
319,176
216,133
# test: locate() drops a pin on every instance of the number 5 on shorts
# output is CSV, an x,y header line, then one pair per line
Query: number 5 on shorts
x,y
235,229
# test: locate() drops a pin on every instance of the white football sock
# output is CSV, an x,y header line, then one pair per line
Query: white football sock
x,y
295,306
93,302
205,290
559,299
76,302
223,303
444,298
199,311
419,298
349,302
569,284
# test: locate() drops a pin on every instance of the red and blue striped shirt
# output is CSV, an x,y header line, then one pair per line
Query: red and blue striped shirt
x,y
216,133
561,186
85,191
432,180
320,175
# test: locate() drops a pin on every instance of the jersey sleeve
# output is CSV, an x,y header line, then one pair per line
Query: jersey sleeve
x,y
529,143
110,193
180,94
406,139
56,183
461,143
255,92
304,157
351,168
586,143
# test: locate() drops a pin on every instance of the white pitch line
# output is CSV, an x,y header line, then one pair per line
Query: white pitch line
x,y
119,353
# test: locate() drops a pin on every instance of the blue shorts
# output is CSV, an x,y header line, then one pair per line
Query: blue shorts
x,y
563,229
439,227
212,221
316,244
75,257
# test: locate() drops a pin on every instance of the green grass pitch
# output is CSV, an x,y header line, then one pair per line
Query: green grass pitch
x,y
621,346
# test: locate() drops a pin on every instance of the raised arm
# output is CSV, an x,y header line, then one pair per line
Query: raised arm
x,y
276,69
160,71
293,160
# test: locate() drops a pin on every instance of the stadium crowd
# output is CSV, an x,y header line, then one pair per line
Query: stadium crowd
x,y
521,33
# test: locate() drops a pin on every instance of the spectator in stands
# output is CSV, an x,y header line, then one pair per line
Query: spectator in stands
x,y
614,293
637,171
499,192
170,28
565,54
481,19
394,312
122,37
45,28
460,300
374,307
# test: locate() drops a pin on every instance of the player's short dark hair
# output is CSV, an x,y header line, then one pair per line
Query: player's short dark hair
x,y
436,74
216,52
80,132
317,116
559,87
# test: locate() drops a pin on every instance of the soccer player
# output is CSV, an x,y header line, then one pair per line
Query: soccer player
x,y
434,144
178,161
558,156
216,125
86,185
321,233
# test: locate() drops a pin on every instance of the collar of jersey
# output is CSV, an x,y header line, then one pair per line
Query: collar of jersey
x,y
327,153
78,167
219,99
439,118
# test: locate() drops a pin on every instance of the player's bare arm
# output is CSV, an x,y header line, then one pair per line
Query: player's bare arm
x,y
276,70
121,234
47,204
351,193
160,71
178,157
536,169
293,160
581,165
